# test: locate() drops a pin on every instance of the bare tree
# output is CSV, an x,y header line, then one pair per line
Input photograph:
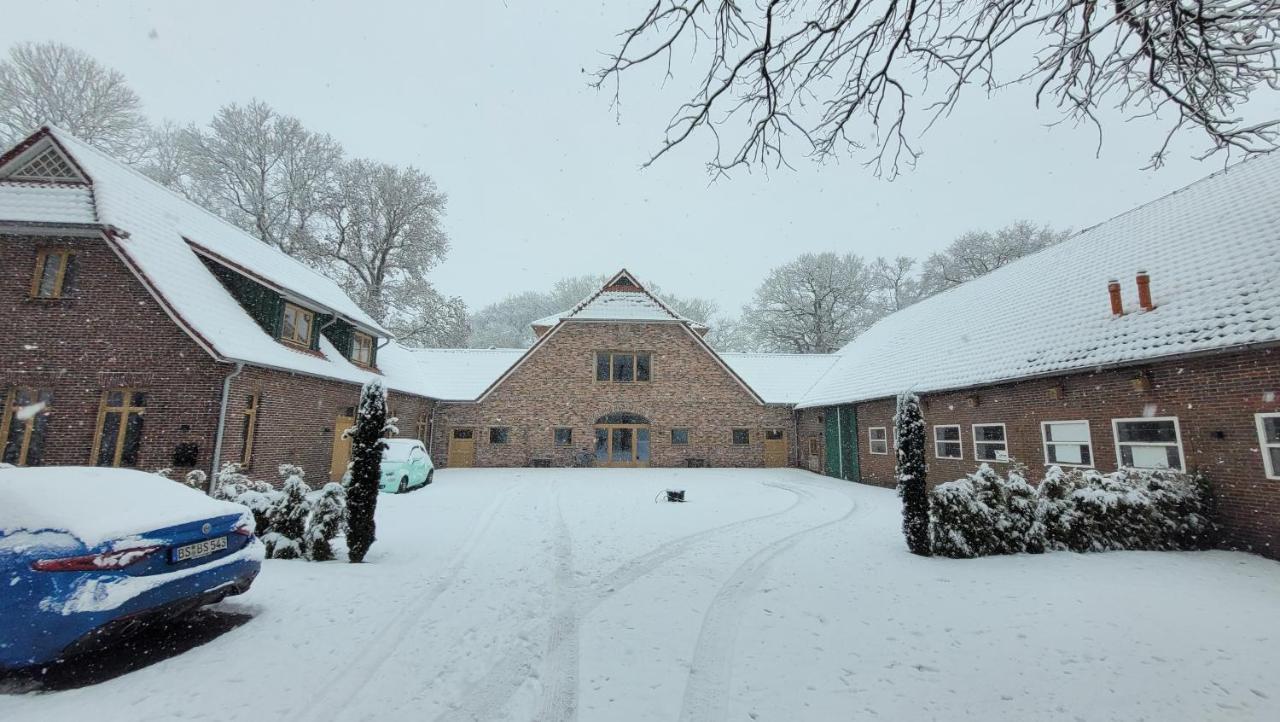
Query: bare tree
x,y
978,253
263,171
845,74
814,304
381,237
896,282
54,83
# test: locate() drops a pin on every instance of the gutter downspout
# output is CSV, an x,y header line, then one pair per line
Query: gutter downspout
x,y
222,425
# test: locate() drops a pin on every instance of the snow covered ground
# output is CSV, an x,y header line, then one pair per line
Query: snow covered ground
x,y
772,595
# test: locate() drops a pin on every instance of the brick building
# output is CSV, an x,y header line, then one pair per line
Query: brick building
x,y
151,334
1148,340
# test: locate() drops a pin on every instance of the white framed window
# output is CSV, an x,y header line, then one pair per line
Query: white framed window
x,y
878,440
1149,443
1269,443
946,442
990,443
1067,443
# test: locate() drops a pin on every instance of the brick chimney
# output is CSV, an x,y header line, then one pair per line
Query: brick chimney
x,y
1113,290
1144,292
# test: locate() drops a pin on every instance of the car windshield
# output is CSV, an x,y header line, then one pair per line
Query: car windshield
x,y
397,451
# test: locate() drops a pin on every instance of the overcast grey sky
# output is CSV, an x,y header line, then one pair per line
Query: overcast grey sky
x,y
543,179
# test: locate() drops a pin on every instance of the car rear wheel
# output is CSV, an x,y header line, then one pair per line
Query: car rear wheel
x,y
404,485
429,473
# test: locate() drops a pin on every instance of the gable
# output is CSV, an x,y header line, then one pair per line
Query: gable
x,y
561,365
41,159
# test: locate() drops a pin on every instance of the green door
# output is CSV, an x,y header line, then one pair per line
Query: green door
x,y
832,434
849,442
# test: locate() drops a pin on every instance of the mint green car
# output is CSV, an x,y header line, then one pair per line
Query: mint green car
x,y
405,465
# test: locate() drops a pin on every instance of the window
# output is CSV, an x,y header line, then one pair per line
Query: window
x,y
55,273
118,439
774,434
990,443
1148,443
250,426
1269,443
499,434
622,367
463,433
878,438
679,437
24,425
47,165
946,442
564,436
296,325
362,348
814,446
1067,443
741,437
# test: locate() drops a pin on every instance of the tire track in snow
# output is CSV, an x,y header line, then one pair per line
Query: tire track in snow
x,y
343,687
707,688
504,680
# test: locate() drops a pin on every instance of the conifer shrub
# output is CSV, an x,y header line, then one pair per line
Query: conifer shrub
x,y
328,516
1080,510
911,471
288,515
366,466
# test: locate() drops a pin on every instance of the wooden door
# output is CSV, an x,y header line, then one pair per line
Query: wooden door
x,y
462,448
341,447
775,448
622,445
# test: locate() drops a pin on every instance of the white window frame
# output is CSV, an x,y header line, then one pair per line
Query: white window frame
x,y
959,441
1263,444
871,441
1088,432
1004,431
1177,430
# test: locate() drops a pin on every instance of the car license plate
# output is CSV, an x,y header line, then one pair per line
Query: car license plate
x,y
199,549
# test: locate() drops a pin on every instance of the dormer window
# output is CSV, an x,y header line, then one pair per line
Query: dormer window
x,y
297,325
362,348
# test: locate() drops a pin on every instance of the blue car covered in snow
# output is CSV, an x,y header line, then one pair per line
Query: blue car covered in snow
x,y
90,555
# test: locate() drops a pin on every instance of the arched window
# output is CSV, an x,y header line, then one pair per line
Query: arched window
x,y
622,417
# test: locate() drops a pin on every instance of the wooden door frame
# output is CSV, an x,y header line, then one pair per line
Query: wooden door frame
x,y
635,445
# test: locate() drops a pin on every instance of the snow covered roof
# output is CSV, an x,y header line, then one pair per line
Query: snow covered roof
x,y
621,298
779,378
1212,250
46,202
161,236
448,374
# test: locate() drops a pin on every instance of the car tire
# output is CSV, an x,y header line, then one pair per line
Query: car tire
x,y
429,473
404,485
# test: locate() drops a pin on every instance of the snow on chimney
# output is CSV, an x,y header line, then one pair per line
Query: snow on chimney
x,y
1113,289
1144,291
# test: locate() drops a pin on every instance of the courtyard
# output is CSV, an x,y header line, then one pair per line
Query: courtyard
x,y
770,595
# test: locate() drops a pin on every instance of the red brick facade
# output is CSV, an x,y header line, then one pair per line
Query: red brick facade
x,y
1214,397
556,387
109,332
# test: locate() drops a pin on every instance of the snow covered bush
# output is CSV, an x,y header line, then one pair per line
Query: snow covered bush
x,y
1080,510
328,516
230,484
196,479
910,472
366,466
287,516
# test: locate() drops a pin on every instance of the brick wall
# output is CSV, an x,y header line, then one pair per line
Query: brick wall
x,y
107,333
556,386
1213,397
